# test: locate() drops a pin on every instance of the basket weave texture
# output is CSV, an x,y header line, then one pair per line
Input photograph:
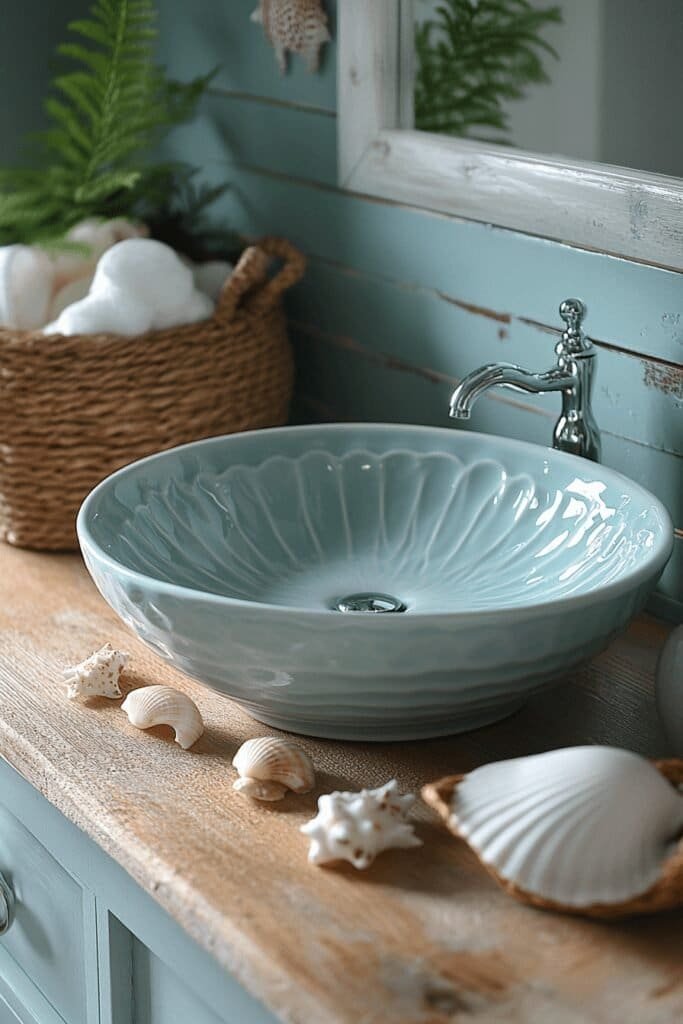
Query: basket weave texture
x,y
74,409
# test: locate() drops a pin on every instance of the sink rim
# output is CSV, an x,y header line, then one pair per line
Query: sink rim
x,y
656,562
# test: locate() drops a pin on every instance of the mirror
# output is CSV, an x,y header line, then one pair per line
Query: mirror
x,y
593,80
558,118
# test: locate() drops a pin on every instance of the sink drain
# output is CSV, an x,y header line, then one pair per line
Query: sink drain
x,y
370,603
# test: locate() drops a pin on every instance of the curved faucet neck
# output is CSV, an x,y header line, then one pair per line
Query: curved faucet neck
x,y
576,430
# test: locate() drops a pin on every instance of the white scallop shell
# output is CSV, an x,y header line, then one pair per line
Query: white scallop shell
x,y
98,675
162,705
271,759
357,826
578,826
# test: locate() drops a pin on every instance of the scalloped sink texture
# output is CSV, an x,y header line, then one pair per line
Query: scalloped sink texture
x,y
505,565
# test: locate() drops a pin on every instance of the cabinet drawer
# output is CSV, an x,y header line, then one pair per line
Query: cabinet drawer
x,y
160,996
45,940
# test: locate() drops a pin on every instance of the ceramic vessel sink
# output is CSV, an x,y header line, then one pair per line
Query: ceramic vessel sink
x,y
500,564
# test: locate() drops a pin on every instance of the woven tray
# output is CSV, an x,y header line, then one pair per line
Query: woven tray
x,y
74,409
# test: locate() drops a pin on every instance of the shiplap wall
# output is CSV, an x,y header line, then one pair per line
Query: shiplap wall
x,y
397,303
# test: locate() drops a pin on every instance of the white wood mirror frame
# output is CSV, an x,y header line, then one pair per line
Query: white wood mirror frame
x,y
633,214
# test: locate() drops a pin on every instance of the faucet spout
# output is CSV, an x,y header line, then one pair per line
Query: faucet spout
x,y
575,431
504,375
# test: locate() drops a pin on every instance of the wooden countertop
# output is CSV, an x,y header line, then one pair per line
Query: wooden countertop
x,y
424,936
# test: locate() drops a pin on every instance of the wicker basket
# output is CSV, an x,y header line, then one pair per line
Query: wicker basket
x,y
74,409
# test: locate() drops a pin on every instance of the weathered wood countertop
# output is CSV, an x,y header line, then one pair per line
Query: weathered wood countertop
x,y
424,936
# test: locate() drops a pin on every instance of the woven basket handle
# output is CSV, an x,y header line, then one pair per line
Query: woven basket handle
x,y
250,276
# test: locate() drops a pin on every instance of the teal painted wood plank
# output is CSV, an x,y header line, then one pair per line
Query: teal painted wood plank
x,y
357,383
632,306
204,34
30,31
257,134
634,397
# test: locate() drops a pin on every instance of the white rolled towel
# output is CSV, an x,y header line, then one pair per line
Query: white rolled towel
x,y
26,283
147,269
139,284
198,307
112,311
210,277
69,293
98,236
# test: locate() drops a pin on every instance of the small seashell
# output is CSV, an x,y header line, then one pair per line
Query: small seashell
x,y
98,675
296,25
587,830
258,790
162,705
358,826
272,760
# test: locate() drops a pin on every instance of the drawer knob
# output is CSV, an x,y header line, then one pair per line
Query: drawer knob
x,y
6,906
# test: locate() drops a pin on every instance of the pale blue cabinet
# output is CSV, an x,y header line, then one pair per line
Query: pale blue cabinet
x,y
86,945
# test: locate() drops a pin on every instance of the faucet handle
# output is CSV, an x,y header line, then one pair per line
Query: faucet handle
x,y
573,338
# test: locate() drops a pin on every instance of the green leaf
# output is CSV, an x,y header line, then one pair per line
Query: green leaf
x,y
473,55
107,112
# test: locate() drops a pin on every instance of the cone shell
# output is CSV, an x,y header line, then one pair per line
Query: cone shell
x,y
598,833
162,705
271,759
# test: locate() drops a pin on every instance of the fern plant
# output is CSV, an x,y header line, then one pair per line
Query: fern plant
x,y
105,115
474,55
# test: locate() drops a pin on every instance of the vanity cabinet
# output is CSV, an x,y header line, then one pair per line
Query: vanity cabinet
x,y
149,892
85,944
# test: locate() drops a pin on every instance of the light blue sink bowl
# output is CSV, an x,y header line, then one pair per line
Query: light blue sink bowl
x,y
514,563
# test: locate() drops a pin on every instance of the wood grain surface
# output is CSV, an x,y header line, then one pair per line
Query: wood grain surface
x,y
424,936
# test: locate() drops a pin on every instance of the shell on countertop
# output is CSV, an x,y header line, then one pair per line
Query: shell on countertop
x,y
97,676
357,826
593,830
299,26
269,765
162,705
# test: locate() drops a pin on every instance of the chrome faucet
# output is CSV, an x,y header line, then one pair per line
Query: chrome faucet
x,y
576,430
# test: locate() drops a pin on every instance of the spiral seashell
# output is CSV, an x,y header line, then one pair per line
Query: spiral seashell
x,y
272,762
358,826
97,676
590,830
162,705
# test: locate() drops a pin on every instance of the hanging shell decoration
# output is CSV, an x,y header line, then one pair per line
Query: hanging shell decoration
x,y
269,766
357,826
299,26
162,705
97,676
586,830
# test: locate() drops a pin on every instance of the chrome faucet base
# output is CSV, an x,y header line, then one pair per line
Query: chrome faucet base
x,y
576,431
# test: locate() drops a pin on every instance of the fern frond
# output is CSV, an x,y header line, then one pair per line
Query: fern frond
x,y
105,114
472,56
